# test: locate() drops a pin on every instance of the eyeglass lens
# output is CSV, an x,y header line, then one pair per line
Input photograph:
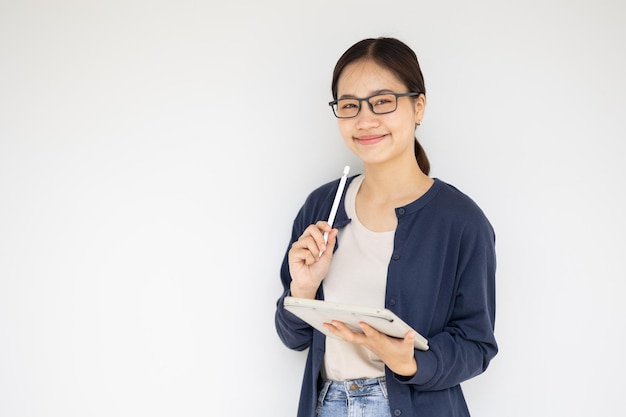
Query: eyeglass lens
x,y
349,107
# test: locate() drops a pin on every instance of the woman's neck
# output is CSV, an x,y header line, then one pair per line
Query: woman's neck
x,y
394,184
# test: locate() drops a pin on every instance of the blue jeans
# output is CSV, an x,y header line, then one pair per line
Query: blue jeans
x,y
354,398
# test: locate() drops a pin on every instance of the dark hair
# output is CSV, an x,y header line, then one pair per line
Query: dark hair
x,y
398,58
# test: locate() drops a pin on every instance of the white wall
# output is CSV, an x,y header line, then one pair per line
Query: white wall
x,y
153,155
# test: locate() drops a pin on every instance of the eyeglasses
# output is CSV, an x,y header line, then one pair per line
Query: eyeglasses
x,y
346,108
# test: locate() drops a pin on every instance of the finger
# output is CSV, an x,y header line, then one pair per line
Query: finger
x,y
301,254
335,326
368,330
323,226
334,329
313,237
371,333
305,248
409,338
317,231
332,237
339,329
322,238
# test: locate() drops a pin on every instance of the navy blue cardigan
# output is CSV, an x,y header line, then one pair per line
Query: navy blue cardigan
x,y
440,280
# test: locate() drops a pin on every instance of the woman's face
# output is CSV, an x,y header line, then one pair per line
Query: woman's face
x,y
378,138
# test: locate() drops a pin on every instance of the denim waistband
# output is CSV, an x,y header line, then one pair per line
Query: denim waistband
x,y
356,387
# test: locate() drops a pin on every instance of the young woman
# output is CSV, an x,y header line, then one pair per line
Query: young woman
x,y
401,240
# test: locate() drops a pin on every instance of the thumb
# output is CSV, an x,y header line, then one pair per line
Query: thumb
x,y
330,244
409,337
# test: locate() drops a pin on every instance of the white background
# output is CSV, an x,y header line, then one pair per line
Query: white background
x,y
153,155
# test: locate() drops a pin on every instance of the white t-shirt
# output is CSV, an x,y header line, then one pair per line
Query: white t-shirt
x,y
357,275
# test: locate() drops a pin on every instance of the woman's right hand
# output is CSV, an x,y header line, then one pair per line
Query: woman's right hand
x,y
309,259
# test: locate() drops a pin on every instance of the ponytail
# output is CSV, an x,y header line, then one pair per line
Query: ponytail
x,y
422,159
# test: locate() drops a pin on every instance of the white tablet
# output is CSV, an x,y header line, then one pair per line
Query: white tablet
x,y
317,312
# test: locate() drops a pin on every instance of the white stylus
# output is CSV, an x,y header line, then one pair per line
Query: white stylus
x,y
335,206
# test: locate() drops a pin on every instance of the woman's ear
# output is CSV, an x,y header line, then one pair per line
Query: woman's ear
x,y
420,106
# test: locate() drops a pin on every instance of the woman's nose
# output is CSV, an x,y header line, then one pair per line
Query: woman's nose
x,y
366,117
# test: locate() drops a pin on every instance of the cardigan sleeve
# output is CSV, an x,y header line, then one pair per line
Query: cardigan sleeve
x,y
293,332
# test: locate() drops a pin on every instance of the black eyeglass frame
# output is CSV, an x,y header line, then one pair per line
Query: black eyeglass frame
x,y
367,100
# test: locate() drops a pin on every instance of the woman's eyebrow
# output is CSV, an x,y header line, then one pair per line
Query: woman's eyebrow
x,y
373,93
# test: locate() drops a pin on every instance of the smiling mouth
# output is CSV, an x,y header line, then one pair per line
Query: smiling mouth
x,y
370,139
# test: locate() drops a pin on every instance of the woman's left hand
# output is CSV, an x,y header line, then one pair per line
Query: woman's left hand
x,y
397,354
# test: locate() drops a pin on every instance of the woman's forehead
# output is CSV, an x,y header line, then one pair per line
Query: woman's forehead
x,y
366,77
